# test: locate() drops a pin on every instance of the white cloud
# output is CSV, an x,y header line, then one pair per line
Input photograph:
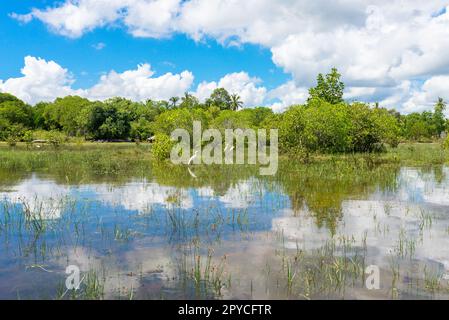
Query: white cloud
x,y
236,83
43,198
152,19
23,18
46,80
75,17
41,81
139,84
425,97
379,46
288,94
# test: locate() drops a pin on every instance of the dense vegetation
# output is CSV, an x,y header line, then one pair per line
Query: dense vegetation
x,y
325,123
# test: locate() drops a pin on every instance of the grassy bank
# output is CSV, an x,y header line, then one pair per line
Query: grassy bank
x,y
27,157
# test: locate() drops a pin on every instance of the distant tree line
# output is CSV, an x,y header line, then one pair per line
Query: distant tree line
x,y
325,123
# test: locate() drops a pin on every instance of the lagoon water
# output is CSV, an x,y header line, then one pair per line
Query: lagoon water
x,y
292,236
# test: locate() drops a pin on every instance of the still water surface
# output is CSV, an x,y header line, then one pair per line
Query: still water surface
x,y
293,236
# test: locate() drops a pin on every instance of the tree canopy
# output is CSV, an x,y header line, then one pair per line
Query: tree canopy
x,y
325,123
329,88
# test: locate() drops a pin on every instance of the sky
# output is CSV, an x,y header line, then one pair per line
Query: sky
x,y
395,52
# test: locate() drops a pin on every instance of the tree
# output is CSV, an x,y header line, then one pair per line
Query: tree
x,y
418,126
141,129
228,119
107,121
220,98
8,97
16,112
174,101
189,101
329,88
180,118
236,103
439,119
63,113
257,115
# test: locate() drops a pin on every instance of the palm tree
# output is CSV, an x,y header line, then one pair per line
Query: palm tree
x,y
236,103
174,101
187,100
187,96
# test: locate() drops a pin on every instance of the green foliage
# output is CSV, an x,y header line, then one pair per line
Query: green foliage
x,y
189,101
417,127
13,133
228,119
4,125
141,130
325,124
109,120
180,118
4,97
162,147
319,126
446,143
28,137
258,115
329,88
221,99
56,138
14,111
335,128
439,118
63,114
426,125
371,128
236,103
174,101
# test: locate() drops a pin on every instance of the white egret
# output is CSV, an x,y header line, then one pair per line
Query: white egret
x,y
193,157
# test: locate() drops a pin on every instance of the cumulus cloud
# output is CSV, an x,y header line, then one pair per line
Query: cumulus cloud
x,y
287,94
379,46
46,80
152,19
74,18
424,97
41,81
139,84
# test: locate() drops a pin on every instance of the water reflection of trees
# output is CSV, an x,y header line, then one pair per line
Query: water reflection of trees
x,y
321,188
318,187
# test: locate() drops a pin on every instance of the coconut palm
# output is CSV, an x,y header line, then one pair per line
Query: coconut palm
x,y
236,103
189,100
174,101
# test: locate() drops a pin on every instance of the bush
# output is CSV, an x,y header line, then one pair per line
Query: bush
x,y
335,128
13,134
56,138
141,130
28,138
319,126
446,143
162,147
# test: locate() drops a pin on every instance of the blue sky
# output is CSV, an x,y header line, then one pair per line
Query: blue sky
x,y
267,51
207,59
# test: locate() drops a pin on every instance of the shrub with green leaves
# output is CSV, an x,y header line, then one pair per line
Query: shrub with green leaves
x,y
320,126
56,138
446,143
162,147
